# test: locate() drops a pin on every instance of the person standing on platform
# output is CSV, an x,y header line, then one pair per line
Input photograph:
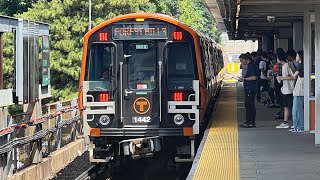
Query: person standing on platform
x,y
291,56
287,80
297,109
250,87
256,62
263,68
277,85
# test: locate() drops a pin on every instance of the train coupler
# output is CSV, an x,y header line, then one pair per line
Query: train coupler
x,y
141,147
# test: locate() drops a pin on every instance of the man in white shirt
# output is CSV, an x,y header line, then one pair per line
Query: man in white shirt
x,y
287,89
263,78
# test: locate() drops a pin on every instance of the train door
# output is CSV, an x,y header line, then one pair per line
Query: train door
x,y
140,85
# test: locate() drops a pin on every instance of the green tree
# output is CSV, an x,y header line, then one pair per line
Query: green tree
x,y
196,15
8,67
12,7
68,21
170,8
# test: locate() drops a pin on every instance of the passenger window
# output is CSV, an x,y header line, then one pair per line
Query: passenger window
x,y
180,66
142,66
99,64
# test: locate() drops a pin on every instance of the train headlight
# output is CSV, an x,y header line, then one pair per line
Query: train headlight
x,y
104,120
178,119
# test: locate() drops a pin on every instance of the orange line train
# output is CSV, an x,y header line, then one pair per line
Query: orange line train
x,y
146,85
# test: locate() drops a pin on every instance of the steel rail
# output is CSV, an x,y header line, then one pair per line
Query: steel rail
x,y
87,174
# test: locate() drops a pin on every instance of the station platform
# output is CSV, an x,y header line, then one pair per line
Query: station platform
x,y
229,152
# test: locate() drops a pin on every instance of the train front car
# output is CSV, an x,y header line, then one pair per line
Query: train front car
x,y
140,88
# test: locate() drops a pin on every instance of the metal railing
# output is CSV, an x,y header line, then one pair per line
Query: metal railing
x,y
26,141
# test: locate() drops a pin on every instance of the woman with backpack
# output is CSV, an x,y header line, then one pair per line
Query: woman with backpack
x,y
264,66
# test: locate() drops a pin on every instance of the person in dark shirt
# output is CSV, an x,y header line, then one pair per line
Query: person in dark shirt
x,y
291,56
256,62
250,89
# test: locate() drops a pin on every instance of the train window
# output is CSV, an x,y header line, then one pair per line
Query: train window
x,y
180,66
142,66
101,57
203,62
211,60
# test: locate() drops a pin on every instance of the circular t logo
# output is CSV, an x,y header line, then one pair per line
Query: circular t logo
x,y
141,105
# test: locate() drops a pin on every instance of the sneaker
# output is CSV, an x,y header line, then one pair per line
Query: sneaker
x,y
246,122
283,125
290,130
248,125
245,125
292,127
297,131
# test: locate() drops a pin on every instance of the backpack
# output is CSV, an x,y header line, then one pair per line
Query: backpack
x,y
256,63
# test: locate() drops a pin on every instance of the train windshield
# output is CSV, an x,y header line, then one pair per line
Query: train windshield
x,y
100,66
180,66
142,66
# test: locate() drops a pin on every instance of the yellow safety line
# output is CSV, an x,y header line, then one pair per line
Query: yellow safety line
x,y
230,80
220,156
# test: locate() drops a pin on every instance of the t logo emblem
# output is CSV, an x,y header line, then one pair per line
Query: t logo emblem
x,y
141,105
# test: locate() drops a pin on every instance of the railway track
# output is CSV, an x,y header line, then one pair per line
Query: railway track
x,y
87,174
97,171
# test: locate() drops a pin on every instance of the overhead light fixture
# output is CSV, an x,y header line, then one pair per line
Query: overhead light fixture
x,y
271,19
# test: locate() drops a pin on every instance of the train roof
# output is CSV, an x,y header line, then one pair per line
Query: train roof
x,y
157,16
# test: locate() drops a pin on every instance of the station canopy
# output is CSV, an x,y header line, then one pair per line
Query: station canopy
x,y
250,19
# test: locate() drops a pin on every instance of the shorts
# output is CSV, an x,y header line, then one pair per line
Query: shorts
x,y
287,100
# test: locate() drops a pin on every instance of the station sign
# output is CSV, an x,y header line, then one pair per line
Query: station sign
x,y
136,31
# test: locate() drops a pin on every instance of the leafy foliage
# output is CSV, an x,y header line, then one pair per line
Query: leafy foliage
x,y
12,7
8,51
68,20
196,15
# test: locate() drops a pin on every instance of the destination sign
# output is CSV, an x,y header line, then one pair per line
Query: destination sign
x,y
139,31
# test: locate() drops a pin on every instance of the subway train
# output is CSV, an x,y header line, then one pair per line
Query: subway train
x,y
146,86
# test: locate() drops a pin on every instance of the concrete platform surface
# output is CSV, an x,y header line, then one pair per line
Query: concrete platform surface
x,y
267,153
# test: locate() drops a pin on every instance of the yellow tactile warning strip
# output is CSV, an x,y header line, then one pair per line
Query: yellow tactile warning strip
x,y
220,156
230,80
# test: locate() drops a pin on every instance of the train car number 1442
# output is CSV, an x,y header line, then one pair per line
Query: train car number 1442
x,y
141,119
